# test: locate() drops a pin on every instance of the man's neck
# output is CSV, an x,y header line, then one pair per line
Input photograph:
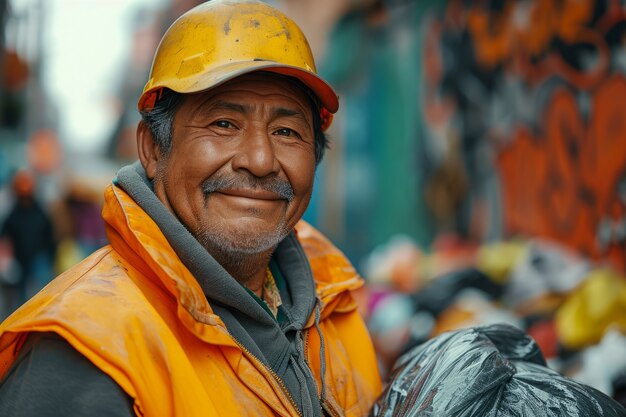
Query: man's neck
x,y
249,269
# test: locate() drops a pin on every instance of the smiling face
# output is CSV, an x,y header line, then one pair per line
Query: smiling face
x,y
240,171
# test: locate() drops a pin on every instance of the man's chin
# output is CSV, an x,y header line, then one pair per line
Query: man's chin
x,y
241,244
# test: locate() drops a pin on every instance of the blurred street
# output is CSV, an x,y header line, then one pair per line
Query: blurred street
x,y
476,172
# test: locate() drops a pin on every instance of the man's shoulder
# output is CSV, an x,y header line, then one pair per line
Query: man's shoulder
x,y
89,262
87,305
82,293
104,262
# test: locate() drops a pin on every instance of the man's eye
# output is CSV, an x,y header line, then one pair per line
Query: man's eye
x,y
285,132
223,123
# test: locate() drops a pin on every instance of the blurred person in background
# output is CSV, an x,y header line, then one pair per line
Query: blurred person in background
x,y
213,298
27,236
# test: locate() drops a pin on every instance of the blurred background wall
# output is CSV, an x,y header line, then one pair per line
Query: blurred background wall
x,y
483,119
462,124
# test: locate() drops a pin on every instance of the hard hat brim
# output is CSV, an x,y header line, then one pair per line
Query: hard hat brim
x,y
227,72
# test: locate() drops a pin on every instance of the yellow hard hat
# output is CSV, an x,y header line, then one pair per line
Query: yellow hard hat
x,y
223,39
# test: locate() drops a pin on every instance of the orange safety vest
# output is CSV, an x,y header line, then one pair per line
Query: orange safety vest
x,y
135,311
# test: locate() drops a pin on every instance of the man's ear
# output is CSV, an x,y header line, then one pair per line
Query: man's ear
x,y
148,150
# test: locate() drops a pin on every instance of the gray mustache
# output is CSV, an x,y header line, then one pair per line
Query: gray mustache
x,y
272,184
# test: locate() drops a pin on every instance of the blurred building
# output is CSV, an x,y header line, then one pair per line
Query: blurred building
x,y
25,107
485,120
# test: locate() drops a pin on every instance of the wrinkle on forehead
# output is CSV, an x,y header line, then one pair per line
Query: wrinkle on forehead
x,y
287,100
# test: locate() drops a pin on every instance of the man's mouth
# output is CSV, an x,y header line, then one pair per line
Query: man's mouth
x,y
252,193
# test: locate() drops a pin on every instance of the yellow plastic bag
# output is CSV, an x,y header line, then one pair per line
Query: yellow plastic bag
x,y
594,307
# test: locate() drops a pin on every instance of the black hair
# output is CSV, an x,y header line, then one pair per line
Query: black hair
x,y
160,118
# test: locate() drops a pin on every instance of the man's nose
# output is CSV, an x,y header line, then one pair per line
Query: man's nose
x,y
257,154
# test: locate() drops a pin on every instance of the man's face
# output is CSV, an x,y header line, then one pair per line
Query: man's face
x,y
240,171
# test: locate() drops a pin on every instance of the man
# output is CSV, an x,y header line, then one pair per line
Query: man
x,y
212,298
34,256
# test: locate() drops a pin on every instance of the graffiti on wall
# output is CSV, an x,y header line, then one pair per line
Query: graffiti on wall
x,y
540,85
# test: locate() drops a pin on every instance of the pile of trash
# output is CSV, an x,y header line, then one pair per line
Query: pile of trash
x,y
573,309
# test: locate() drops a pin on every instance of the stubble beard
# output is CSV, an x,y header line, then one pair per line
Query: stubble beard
x,y
239,251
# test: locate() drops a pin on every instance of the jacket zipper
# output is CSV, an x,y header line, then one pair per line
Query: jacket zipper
x,y
276,377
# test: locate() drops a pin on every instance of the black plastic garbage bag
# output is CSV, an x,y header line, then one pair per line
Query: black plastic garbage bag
x,y
495,371
438,294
